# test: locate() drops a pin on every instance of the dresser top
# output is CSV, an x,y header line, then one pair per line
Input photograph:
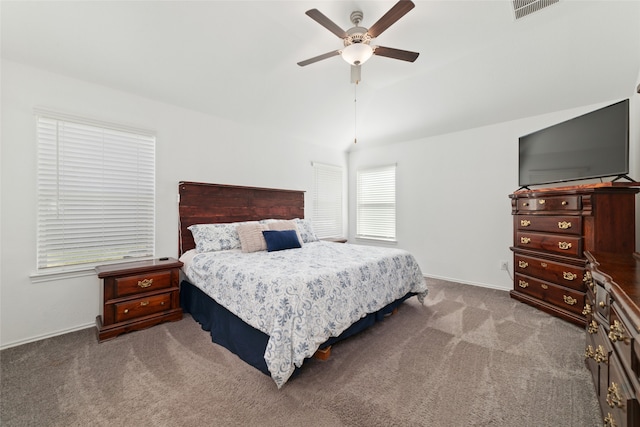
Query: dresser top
x,y
136,267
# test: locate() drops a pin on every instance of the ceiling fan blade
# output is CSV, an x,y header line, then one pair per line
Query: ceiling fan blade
x,y
389,52
319,58
396,12
321,19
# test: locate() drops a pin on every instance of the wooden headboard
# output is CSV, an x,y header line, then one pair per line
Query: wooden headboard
x,y
202,203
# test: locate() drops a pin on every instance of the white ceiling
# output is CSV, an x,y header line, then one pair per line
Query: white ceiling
x,y
237,60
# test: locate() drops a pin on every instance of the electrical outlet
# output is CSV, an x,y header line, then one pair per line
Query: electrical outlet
x,y
504,265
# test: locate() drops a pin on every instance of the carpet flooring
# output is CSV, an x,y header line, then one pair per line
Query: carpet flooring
x,y
469,356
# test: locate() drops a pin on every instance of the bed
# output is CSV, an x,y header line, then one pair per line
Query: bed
x,y
277,298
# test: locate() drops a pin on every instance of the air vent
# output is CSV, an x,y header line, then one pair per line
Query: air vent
x,y
523,8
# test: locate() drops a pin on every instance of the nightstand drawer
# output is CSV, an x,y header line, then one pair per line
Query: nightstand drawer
x,y
142,307
142,283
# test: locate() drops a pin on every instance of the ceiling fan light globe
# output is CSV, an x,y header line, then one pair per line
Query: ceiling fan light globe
x,y
357,53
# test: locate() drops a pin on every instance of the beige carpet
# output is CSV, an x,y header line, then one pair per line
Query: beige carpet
x,y
469,357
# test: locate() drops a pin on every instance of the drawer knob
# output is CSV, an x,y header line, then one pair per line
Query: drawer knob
x,y
525,203
564,245
564,203
613,396
126,310
543,286
593,327
564,225
602,304
569,300
542,201
523,284
586,310
144,303
569,275
525,240
525,222
616,333
543,264
523,264
609,421
145,283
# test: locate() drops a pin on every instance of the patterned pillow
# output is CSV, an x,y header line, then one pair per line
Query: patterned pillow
x,y
215,237
251,238
306,230
285,224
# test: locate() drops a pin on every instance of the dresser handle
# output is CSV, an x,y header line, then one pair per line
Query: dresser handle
x,y
525,203
564,225
523,284
144,303
600,355
616,333
586,310
569,275
126,310
543,264
564,203
564,245
602,304
543,286
589,353
541,201
525,222
145,283
523,264
593,327
609,421
525,240
586,279
569,300
613,396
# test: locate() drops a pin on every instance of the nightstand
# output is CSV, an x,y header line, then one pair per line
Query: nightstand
x,y
137,295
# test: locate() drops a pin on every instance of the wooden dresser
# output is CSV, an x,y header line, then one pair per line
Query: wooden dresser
x,y
612,349
553,227
137,295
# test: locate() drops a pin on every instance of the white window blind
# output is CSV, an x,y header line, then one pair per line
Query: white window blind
x,y
327,200
376,203
96,194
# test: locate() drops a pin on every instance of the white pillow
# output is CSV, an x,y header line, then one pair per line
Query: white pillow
x,y
215,237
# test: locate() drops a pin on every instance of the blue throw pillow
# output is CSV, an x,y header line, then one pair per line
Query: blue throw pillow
x,y
279,240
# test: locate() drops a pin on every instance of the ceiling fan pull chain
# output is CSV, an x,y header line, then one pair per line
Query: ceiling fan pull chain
x,y
355,113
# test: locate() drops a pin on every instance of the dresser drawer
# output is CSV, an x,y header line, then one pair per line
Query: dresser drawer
x,y
554,203
142,283
620,404
621,337
551,271
560,244
142,307
559,296
550,224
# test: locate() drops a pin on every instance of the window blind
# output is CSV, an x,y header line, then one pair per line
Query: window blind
x,y
327,200
96,194
376,203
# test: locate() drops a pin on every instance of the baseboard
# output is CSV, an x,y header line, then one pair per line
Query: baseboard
x,y
466,282
45,336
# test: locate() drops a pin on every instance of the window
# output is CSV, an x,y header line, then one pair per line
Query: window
x,y
96,193
376,203
327,200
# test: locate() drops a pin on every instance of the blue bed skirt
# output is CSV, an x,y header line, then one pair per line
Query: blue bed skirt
x,y
245,341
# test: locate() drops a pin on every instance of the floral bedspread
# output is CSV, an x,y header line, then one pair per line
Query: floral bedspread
x,y
302,297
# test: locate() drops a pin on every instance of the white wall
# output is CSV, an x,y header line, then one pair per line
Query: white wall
x,y
453,210
190,147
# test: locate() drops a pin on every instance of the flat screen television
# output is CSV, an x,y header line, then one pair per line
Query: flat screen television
x,y
594,145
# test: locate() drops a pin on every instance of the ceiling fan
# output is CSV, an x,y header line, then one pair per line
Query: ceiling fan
x,y
357,40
